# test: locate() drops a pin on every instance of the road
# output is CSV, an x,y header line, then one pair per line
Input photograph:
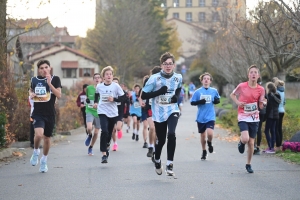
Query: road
x,y
129,174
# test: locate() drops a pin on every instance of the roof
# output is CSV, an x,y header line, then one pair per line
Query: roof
x,y
69,64
191,24
47,39
61,31
64,48
25,23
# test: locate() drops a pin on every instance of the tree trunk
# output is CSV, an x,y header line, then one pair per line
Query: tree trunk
x,y
3,44
281,75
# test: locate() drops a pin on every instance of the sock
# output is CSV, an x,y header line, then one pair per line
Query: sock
x,y
36,151
44,158
90,147
137,132
151,145
134,131
157,161
169,162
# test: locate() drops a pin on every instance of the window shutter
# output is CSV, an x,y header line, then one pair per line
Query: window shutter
x,y
80,72
92,72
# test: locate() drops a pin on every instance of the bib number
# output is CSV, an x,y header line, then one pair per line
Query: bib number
x,y
136,105
250,108
104,98
206,97
165,99
91,104
40,91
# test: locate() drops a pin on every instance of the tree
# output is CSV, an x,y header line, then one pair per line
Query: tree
x,y
130,36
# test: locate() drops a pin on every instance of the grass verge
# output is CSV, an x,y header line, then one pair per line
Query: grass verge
x,y
289,156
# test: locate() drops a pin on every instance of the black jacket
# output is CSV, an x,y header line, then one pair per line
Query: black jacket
x,y
272,105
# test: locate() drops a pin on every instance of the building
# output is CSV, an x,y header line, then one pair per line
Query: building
x,y
69,64
210,14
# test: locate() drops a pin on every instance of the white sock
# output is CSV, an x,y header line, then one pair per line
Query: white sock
x,y
157,161
44,158
169,162
36,151
151,145
134,131
137,132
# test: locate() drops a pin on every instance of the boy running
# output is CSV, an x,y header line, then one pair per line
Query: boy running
x,y
135,112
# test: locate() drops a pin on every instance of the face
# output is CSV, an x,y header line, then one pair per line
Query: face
x,y
206,81
253,74
116,81
44,69
137,89
168,66
97,79
108,76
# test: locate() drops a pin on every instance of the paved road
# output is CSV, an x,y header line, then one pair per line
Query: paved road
x,y
129,174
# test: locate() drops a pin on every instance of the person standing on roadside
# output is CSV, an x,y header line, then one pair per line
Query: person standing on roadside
x,y
45,89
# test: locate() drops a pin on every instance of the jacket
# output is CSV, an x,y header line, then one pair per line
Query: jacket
x,y
272,106
280,90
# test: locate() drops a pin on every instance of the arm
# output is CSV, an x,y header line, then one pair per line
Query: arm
x,y
176,96
200,102
57,89
78,101
149,95
120,98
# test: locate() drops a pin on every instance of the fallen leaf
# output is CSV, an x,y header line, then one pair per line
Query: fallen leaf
x,y
20,185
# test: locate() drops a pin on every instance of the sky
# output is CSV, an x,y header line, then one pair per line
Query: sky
x,y
77,15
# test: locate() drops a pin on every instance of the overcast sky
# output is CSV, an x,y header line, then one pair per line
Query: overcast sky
x,y
77,15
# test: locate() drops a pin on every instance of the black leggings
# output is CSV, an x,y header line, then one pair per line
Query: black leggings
x,y
161,132
84,116
107,127
259,135
279,130
270,128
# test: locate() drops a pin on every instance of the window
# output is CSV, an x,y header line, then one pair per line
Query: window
x,y
163,4
215,17
69,73
201,3
86,72
176,15
176,3
188,16
189,3
201,16
215,2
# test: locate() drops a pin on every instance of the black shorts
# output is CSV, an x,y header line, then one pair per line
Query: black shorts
x,y
203,126
138,118
251,127
45,122
119,117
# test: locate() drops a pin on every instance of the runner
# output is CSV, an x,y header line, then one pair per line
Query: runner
x,y
44,91
92,117
135,111
81,104
144,117
164,88
110,93
192,88
205,98
117,132
250,94
126,116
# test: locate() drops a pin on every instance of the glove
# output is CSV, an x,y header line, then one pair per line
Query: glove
x,y
87,100
174,99
216,100
202,101
163,90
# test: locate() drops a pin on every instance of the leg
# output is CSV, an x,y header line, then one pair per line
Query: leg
x,y
250,150
97,126
47,144
31,135
171,145
267,130
161,132
203,140
145,130
104,133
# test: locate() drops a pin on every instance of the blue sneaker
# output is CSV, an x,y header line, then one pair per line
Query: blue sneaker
x,y
34,160
88,140
90,151
43,166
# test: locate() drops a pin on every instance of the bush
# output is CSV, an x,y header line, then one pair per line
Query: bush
x,y
229,120
2,129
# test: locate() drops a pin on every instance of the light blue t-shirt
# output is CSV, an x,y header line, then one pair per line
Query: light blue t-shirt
x,y
161,106
192,87
135,108
206,112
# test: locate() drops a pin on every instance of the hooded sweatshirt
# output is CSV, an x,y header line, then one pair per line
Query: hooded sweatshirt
x,y
280,90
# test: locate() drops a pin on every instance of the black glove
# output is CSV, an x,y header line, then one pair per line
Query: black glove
x,y
174,99
202,101
162,90
87,100
216,100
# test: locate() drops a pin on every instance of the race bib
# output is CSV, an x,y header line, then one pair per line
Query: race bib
x,y
83,99
250,108
165,99
91,104
104,98
206,97
150,102
118,103
136,104
40,91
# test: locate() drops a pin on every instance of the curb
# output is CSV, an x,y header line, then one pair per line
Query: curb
x,y
7,152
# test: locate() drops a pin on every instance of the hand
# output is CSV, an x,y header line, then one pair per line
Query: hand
x,y
87,100
174,99
163,90
110,99
95,105
82,105
241,104
48,77
202,101
142,104
216,100
32,95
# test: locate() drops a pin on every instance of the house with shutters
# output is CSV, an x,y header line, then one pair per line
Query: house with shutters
x,y
69,64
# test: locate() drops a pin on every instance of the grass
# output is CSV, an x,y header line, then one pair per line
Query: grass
x,y
293,105
289,156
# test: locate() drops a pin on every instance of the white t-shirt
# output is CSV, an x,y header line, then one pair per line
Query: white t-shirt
x,y
110,109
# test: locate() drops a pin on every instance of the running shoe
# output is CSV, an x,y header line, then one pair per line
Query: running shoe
x,y
137,138
241,147
107,149
249,169
104,159
169,169
88,140
115,147
120,134
150,152
204,154
43,166
145,145
158,167
256,151
153,159
133,136
210,147
90,151
34,160
270,151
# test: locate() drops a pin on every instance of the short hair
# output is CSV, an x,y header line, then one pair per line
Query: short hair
x,y
166,56
270,87
84,86
252,66
277,82
105,69
205,74
155,70
137,85
43,62
116,79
